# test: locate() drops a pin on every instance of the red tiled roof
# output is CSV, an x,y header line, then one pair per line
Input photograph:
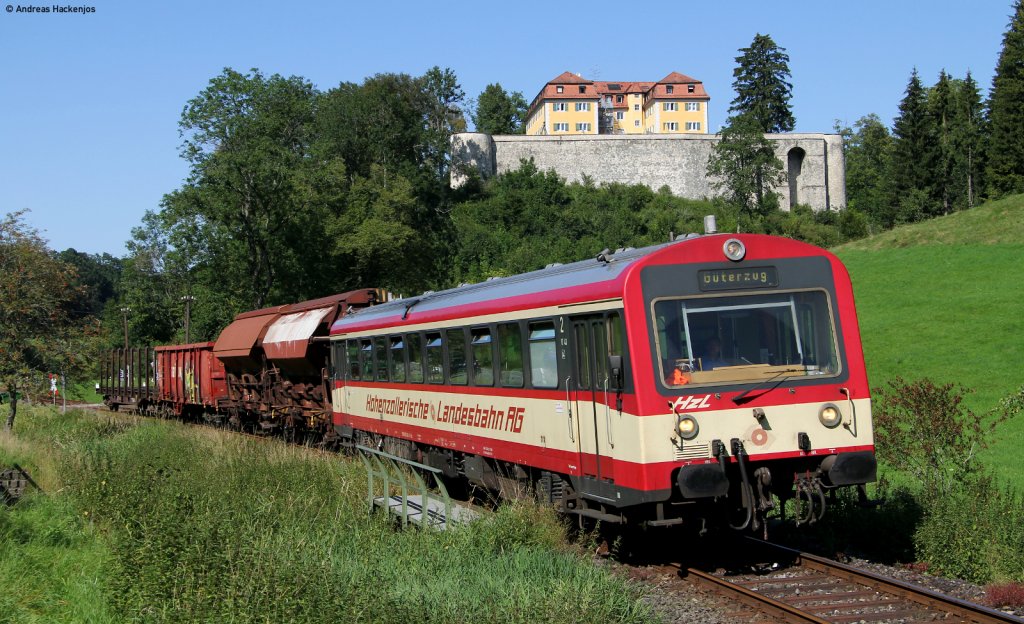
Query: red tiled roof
x,y
569,78
677,78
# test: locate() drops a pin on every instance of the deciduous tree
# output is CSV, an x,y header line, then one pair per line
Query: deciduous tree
x,y
500,112
36,289
745,168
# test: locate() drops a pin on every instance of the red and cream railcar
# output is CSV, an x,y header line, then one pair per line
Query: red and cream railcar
x,y
687,379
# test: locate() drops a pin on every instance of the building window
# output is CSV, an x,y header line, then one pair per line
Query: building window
x,y
693,106
669,88
636,123
620,115
691,88
693,125
559,89
636,107
582,106
670,106
618,99
671,126
583,127
562,127
583,89
559,106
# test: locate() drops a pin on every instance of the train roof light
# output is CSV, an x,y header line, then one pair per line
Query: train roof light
x,y
734,249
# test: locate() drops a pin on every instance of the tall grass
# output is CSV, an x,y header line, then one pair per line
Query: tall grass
x,y
199,525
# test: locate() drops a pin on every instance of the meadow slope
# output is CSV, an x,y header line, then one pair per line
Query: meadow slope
x,y
944,299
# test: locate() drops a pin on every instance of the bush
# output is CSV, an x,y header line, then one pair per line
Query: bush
x,y
1009,595
926,431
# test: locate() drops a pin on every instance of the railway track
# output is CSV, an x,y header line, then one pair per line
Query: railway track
x,y
800,587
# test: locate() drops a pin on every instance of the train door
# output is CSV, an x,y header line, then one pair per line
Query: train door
x,y
589,387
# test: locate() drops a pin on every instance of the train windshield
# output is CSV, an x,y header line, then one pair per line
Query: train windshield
x,y
743,338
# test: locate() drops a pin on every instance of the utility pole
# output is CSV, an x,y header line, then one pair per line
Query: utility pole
x,y
188,299
124,313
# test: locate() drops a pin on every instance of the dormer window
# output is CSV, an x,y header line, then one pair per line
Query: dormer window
x,y
669,88
583,89
559,89
691,88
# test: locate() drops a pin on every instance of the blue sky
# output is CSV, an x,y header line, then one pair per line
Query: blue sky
x,y
89,103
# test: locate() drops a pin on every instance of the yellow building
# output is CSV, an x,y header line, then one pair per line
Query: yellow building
x,y
571,104
566,105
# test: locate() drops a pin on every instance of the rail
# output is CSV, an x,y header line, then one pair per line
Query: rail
x,y
829,591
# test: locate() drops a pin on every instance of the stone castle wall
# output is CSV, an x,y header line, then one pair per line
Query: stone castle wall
x,y
814,163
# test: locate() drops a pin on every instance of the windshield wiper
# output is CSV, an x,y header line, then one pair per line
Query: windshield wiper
x,y
777,378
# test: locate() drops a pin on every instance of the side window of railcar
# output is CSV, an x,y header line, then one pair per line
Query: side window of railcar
x,y
380,355
483,357
543,356
457,373
415,357
366,359
435,358
397,359
510,355
352,347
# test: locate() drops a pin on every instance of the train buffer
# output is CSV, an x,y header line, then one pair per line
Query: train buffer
x,y
397,486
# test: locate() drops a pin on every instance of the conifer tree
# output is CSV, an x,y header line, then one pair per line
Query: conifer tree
x,y
941,112
913,156
761,82
1005,171
969,133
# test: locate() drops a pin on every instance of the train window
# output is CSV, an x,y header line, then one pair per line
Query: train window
x,y
353,359
457,357
483,357
744,338
510,355
366,359
397,359
380,356
435,358
415,347
543,358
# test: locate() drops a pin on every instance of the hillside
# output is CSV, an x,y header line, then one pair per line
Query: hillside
x,y
943,299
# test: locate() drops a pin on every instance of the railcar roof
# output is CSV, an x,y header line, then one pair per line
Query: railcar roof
x,y
588,275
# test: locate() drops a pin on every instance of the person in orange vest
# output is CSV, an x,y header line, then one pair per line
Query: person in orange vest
x,y
680,374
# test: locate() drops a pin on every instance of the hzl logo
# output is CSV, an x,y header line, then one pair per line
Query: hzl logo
x,y
691,403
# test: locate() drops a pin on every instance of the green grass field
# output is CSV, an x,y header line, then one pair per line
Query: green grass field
x,y
155,521
944,299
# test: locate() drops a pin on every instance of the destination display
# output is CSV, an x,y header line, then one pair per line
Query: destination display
x,y
729,279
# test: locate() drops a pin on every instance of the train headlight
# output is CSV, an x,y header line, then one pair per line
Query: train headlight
x,y
829,415
687,427
734,249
